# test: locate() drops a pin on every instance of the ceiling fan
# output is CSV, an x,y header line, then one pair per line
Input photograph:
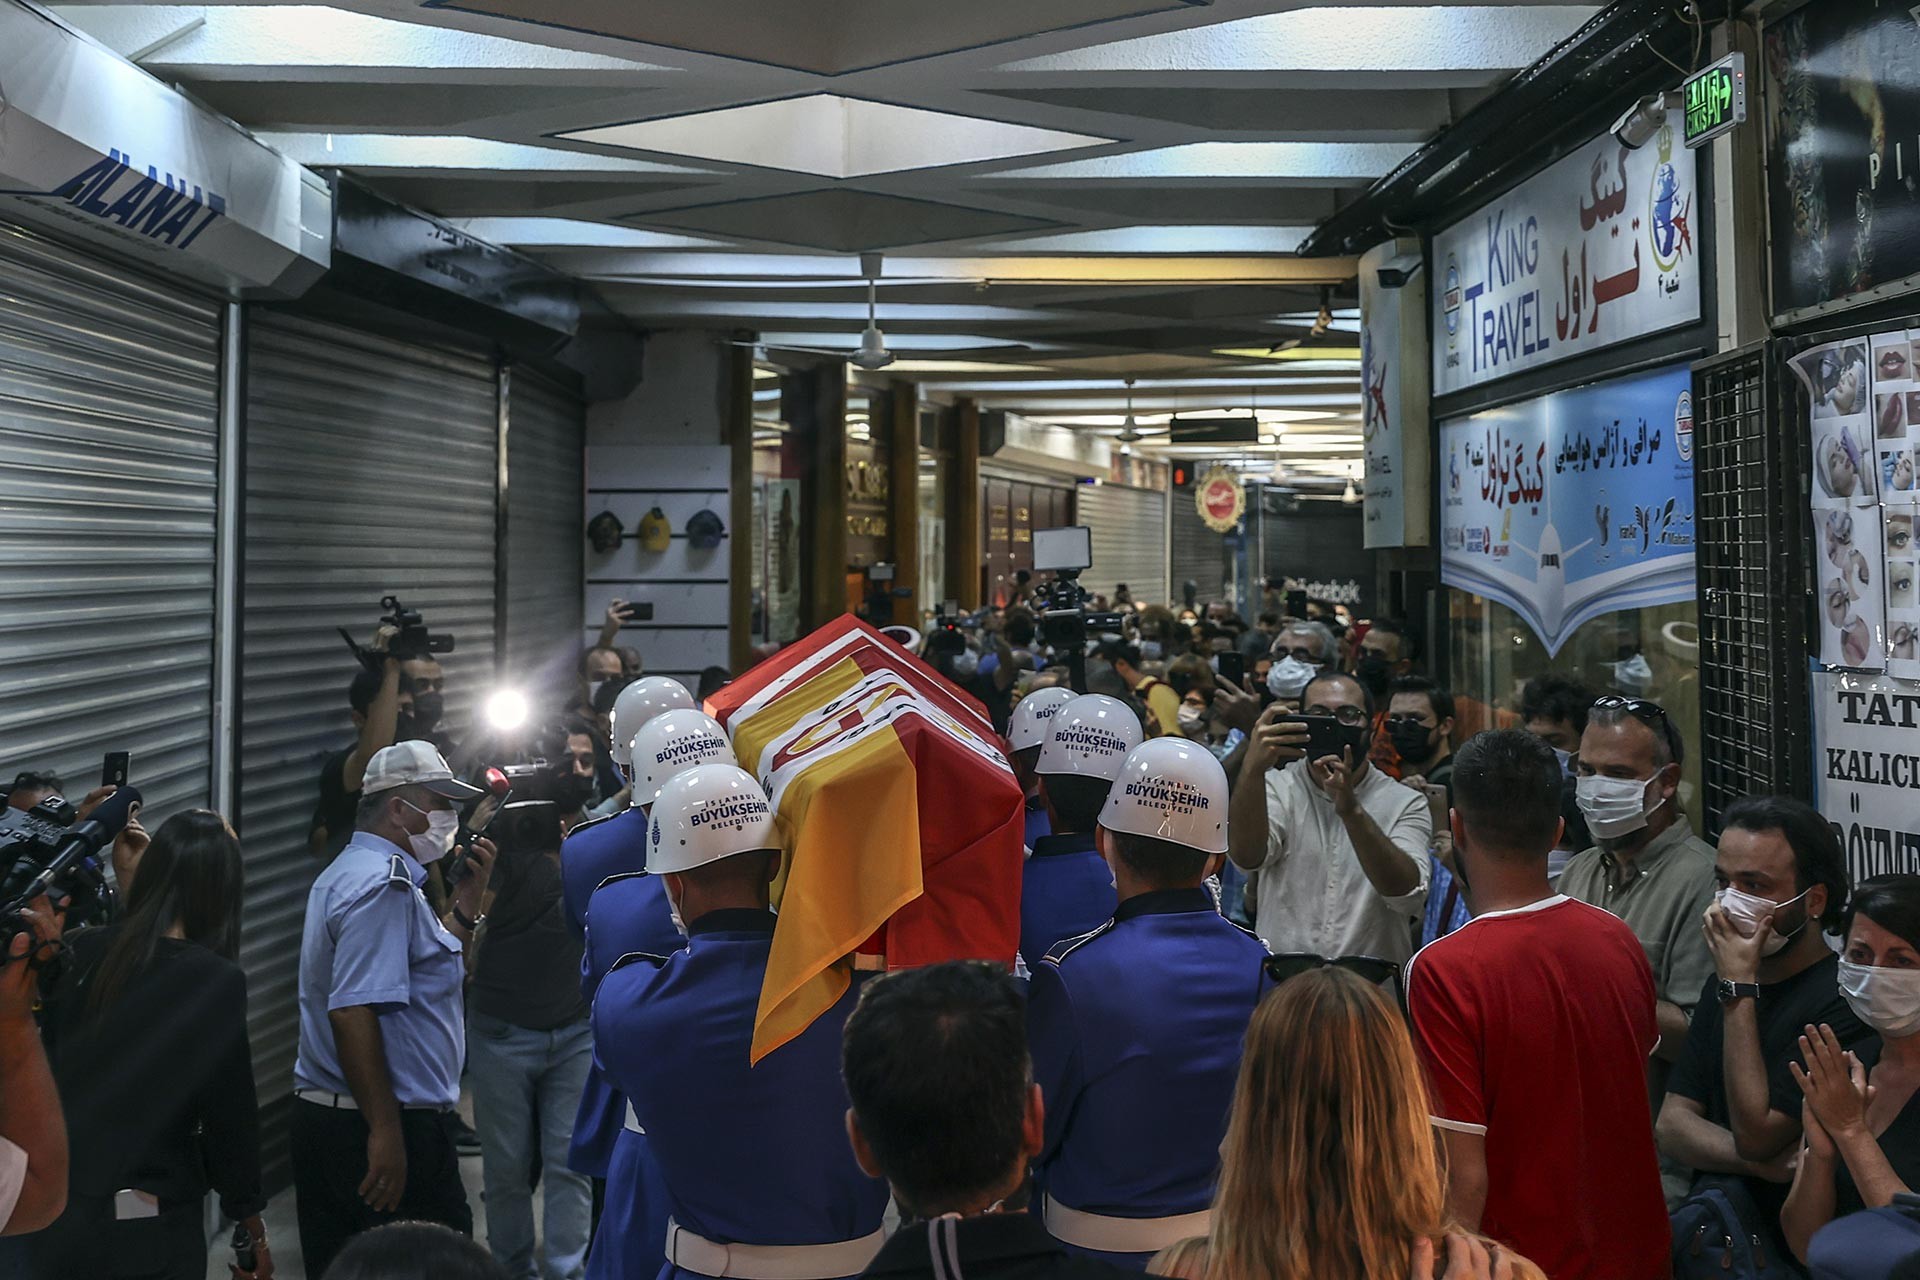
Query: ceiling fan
x,y
872,352
1130,431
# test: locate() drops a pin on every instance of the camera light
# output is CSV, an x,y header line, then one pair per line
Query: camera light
x,y
507,709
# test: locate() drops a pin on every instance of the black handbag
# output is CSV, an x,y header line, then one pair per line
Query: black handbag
x,y
1719,1233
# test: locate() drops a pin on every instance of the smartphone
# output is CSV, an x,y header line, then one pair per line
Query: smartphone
x,y
1233,665
1296,604
1325,735
114,768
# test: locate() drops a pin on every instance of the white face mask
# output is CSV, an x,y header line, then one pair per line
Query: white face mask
x,y
432,844
1747,911
1191,718
593,690
1150,651
1888,1000
1287,677
966,664
1615,807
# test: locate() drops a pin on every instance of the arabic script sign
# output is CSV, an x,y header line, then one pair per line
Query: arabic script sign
x,y
1573,505
1596,250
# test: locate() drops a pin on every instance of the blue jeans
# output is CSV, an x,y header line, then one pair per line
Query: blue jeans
x,y
527,1084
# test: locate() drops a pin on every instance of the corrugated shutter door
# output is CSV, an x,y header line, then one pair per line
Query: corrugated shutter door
x,y
1129,540
1199,554
371,469
108,439
546,526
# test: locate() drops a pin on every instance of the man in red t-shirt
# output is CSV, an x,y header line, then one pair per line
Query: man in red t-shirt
x,y
1534,1022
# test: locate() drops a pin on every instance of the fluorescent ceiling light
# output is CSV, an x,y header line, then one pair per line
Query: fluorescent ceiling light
x,y
835,137
1166,239
1294,354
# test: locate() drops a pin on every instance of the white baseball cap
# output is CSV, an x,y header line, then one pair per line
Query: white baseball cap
x,y
414,763
706,813
1170,789
638,703
1036,711
670,743
1090,736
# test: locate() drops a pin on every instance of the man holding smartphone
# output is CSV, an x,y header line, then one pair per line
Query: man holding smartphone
x,y
1341,848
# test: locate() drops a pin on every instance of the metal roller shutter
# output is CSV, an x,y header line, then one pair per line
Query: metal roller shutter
x,y
546,523
108,441
371,468
1129,540
1199,554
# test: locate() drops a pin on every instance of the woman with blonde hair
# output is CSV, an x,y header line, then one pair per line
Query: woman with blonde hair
x,y
1329,1170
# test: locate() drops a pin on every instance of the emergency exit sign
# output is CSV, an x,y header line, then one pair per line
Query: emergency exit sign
x,y
1715,99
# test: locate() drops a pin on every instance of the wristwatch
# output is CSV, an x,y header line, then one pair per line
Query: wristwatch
x,y
1731,991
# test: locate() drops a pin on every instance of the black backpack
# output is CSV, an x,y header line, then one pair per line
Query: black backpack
x,y
1719,1233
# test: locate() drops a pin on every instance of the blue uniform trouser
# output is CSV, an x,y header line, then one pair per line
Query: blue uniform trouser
x,y
526,1085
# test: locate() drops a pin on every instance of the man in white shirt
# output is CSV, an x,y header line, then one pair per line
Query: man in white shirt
x,y
1340,847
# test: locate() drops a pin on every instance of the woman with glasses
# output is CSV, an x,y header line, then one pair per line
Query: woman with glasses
x,y
1329,1170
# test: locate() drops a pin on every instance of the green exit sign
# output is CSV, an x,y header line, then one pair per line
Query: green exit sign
x,y
1715,99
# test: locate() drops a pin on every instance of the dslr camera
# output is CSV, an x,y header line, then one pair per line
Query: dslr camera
x,y
412,640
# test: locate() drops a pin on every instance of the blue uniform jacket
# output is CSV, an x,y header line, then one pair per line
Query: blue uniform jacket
x,y
627,914
1066,890
751,1155
1136,1031
1039,825
595,851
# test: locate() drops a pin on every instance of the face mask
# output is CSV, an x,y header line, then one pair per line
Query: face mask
x,y
1287,677
1566,761
1747,911
1633,676
427,710
1191,718
572,792
432,844
966,665
1615,807
1888,1000
1360,738
1373,671
593,691
1411,739
1150,651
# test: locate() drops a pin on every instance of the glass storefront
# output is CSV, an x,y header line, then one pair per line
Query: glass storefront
x,y
778,504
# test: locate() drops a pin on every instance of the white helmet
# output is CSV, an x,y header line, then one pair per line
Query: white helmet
x,y
1170,789
1031,718
1090,736
671,742
706,813
638,703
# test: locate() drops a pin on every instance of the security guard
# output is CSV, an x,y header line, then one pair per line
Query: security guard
x,y
665,742
1026,734
1136,1028
382,1030
1067,889
761,1178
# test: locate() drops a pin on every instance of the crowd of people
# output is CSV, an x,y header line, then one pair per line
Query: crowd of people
x,y
1324,972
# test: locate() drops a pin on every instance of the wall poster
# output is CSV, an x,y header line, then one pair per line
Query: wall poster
x,y
1866,768
1573,505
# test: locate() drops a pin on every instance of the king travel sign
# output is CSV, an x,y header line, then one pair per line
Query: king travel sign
x,y
1715,99
1595,250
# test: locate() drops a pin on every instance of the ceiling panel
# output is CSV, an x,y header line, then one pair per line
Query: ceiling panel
x,y
841,221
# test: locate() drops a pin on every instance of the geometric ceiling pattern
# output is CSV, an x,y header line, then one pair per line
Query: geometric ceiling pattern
x,y
1068,193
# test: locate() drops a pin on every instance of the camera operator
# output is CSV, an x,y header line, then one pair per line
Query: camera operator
x,y
33,1131
378,703
147,1032
382,1025
528,1042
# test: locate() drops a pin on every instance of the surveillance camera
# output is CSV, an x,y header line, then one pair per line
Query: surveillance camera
x,y
1639,123
1398,270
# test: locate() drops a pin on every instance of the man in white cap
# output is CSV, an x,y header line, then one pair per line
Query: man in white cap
x,y
628,912
1066,888
1136,1028
760,1177
382,1029
1026,734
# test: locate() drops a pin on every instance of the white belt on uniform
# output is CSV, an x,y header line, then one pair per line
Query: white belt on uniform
x,y
345,1102
1121,1235
632,1122
702,1256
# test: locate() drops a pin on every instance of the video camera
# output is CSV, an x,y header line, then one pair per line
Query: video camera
x,y
44,852
1065,622
945,636
412,641
528,800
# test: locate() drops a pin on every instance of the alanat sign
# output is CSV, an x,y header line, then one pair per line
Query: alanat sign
x,y
1596,250
149,205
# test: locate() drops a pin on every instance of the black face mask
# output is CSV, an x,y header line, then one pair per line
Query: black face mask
x,y
1411,739
1373,671
1360,740
428,708
573,792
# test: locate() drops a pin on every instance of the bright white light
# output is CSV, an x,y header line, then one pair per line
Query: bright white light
x,y
506,710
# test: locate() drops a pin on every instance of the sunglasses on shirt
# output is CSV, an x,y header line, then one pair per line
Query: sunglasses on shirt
x,y
1294,963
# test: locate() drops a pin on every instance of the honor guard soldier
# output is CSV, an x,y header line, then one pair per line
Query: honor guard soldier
x,y
665,743
1136,1028
761,1179
1067,888
1026,734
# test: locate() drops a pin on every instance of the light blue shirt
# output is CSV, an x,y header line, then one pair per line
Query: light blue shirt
x,y
371,939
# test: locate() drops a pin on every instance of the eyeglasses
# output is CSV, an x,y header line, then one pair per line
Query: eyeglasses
x,y
1350,716
1294,963
1647,712
1299,653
